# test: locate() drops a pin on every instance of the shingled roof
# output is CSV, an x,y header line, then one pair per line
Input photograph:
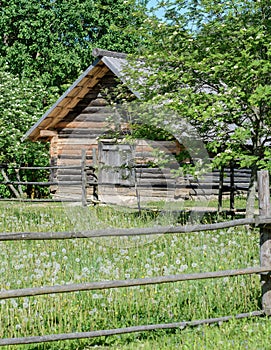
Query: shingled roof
x,y
106,60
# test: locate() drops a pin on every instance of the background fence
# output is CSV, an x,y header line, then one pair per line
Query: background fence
x,y
263,221
80,182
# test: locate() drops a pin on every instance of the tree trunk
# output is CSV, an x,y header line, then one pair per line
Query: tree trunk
x,y
13,189
251,194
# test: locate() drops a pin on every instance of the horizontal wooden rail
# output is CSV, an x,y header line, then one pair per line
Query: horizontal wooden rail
x,y
118,331
41,200
26,292
56,167
42,183
47,183
120,232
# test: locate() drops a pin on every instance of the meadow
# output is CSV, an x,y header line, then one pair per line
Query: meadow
x,y
39,263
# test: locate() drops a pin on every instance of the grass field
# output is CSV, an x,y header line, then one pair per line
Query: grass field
x,y
37,263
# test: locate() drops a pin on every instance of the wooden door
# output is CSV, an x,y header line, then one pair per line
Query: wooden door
x,y
116,164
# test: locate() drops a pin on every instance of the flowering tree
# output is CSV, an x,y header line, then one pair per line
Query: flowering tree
x,y
22,102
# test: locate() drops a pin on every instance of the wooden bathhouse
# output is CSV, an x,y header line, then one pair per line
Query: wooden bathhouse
x,y
89,161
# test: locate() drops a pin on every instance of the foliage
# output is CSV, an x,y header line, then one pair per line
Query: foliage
x,y
52,40
21,104
210,62
214,70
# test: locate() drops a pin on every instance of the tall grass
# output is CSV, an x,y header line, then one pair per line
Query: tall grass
x,y
40,263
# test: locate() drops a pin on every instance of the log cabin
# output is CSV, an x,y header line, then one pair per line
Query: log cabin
x,y
79,129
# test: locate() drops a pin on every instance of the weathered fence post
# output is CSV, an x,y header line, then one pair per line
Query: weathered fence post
x,y
84,178
94,163
94,157
265,239
220,188
232,187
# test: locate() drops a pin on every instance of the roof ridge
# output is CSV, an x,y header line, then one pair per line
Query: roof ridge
x,y
96,52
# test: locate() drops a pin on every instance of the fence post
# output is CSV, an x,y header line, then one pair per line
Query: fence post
x,y
84,178
94,163
220,188
232,188
265,239
94,157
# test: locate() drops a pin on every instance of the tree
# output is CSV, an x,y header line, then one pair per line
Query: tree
x,y
21,104
53,40
213,68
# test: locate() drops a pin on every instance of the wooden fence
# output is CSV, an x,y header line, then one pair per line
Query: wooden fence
x,y
84,183
79,183
263,221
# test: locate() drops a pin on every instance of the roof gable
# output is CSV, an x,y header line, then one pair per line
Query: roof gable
x,y
107,61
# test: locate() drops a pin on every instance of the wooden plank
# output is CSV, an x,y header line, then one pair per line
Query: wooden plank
x,y
205,192
76,91
84,178
109,190
265,238
72,174
48,183
220,189
96,52
115,164
118,331
94,109
232,187
87,142
145,171
156,182
70,152
80,132
87,117
71,135
72,189
68,288
81,124
94,155
100,102
264,193
47,133
69,178
122,232
64,103
66,160
75,147
56,167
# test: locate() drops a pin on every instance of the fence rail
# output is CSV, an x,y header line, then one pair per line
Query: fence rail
x,y
126,232
263,221
27,292
83,182
87,177
118,331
